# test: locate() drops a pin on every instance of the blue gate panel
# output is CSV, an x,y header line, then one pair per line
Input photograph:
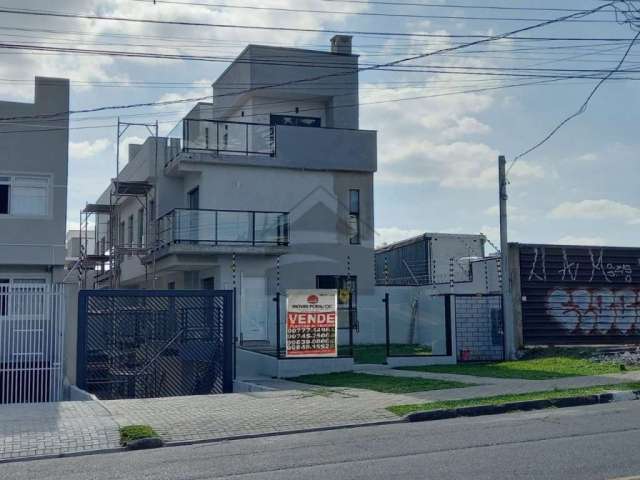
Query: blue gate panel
x,y
154,343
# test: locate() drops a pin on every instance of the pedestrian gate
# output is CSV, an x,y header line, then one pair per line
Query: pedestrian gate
x,y
32,318
154,343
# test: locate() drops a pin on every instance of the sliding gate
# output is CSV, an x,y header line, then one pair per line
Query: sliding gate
x,y
154,343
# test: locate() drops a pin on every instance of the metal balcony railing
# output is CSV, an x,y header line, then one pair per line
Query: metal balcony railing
x,y
224,227
222,137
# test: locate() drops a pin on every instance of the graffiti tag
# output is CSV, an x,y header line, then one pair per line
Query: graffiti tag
x,y
595,311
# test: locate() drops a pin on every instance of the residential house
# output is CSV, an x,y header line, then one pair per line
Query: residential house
x,y
33,184
264,190
33,212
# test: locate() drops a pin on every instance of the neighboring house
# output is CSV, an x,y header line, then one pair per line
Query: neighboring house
x,y
438,259
33,184
73,244
261,191
33,214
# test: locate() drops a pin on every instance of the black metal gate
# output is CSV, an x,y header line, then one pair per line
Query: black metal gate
x,y
154,343
580,295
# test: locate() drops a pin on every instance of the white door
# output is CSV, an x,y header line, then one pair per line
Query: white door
x,y
253,309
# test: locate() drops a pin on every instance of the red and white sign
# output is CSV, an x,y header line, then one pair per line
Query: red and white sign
x,y
312,323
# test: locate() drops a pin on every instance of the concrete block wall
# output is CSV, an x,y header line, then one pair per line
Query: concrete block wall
x,y
479,327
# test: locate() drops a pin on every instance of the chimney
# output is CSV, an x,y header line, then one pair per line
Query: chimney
x,y
341,44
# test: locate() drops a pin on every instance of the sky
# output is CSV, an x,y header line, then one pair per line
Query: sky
x,y
439,132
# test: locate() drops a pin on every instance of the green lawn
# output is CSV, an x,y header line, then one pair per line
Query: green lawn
x,y
136,432
501,399
377,353
537,365
379,383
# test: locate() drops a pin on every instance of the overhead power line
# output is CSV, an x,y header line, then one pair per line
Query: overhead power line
x,y
46,13
452,5
336,74
367,14
45,128
580,111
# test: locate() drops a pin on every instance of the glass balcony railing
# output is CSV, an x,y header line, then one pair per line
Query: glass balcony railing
x,y
229,138
224,227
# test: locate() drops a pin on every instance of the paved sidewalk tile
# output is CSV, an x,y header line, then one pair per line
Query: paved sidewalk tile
x,y
39,429
219,416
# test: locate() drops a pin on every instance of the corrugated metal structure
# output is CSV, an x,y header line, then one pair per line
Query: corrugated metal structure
x,y
579,294
426,259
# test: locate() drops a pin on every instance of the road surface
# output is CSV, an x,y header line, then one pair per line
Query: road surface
x,y
596,442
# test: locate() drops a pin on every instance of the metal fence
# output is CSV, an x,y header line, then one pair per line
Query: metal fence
x,y
579,295
155,343
32,318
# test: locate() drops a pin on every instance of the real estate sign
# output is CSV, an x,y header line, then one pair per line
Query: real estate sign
x,y
312,323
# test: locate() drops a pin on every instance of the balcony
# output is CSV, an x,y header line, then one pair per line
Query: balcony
x,y
195,141
226,138
224,228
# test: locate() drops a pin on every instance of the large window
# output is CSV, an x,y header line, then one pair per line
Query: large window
x,y
23,195
140,227
354,217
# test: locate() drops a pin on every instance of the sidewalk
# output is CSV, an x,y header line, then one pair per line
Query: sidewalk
x,y
43,429
486,387
71,427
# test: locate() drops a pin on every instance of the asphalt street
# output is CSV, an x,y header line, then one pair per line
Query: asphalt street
x,y
596,442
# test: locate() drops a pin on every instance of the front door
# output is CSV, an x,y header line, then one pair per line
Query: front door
x,y
253,311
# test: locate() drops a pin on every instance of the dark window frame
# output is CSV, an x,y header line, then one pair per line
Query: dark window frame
x,y
354,217
140,232
192,194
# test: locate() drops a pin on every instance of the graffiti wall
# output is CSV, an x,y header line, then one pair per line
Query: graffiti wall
x,y
580,295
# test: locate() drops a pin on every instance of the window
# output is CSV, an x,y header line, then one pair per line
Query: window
x,y
208,283
152,210
130,230
121,240
354,217
29,196
24,195
140,227
295,120
5,188
171,286
4,296
344,284
194,199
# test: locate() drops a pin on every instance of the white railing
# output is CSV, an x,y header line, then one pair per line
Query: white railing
x,y
32,318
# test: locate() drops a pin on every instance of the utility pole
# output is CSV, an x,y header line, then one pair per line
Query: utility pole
x,y
507,300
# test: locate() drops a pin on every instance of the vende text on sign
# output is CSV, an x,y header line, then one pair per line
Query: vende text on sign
x,y
312,323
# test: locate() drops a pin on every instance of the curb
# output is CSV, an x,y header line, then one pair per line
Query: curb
x,y
524,406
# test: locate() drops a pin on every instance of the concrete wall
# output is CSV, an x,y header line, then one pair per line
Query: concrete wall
x,y
479,327
30,149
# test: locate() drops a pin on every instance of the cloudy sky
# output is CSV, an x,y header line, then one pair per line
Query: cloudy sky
x,y
441,126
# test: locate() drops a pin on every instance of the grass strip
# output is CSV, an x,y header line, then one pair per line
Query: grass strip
x,y
378,383
501,399
130,433
542,368
377,353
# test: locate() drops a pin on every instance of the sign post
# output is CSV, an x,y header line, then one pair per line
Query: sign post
x,y
312,323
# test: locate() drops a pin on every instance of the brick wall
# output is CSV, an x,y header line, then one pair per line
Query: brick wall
x,y
479,327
